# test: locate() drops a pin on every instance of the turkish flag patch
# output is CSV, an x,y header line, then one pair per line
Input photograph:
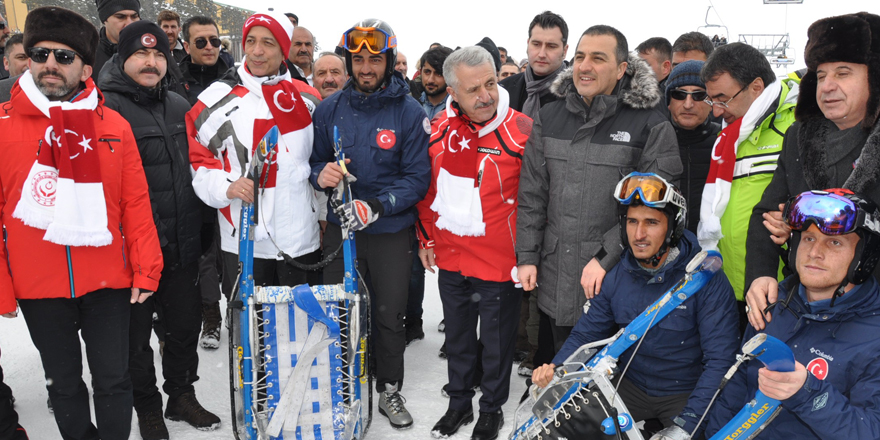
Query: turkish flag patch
x,y
386,139
819,368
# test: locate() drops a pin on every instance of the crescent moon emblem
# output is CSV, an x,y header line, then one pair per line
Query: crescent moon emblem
x,y
384,139
449,142
275,98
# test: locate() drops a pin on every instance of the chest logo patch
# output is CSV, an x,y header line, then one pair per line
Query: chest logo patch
x,y
621,136
820,402
818,367
386,139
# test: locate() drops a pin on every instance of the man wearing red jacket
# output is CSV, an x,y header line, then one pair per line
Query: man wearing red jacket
x,y
81,245
467,229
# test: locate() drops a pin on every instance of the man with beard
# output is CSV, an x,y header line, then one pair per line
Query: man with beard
x,y
135,85
330,74
5,31
433,99
385,136
169,21
93,236
547,47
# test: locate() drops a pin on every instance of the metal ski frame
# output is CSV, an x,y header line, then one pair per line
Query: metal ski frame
x,y
248,406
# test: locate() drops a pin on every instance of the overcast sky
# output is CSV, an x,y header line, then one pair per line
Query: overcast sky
x,y
461,23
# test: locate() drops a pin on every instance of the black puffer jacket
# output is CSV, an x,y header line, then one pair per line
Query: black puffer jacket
x,y
157,121
106,49
197,77
696,155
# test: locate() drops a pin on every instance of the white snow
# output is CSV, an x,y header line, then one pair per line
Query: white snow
x,y
425,375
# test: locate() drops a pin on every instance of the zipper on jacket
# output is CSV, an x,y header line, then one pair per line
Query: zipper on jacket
x,y
108,141
6,247
70,272
124,262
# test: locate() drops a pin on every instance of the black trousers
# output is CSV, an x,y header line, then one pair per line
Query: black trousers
x,y
179,302
467,300
9,427
387,260
644,407
102,319
266,273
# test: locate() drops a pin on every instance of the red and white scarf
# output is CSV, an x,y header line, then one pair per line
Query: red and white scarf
x,y
457,202
716,193
63,192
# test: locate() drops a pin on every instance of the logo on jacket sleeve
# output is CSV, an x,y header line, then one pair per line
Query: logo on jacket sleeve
x,y
426,124
820,402
386,139
621,136
818,367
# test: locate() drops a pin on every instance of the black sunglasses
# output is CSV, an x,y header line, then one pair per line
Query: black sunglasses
x,y
681,95
201,42
62,56
2,25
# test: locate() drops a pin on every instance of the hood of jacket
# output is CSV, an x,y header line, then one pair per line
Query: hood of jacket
x,y
394,90
863,302
638,88
114,79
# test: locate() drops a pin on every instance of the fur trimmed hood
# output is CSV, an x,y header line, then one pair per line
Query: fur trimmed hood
x,y
637,89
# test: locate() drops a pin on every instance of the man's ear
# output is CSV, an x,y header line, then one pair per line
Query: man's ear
x,y
186,46
86,73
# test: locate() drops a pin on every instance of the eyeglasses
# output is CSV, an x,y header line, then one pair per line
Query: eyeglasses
x,y
725,103
653,190
62,56
832,213
3,25
376,40
681,95
201,42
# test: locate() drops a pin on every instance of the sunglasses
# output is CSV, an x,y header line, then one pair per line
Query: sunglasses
x,y
201,42
3,25
62,56
831,213
376,40
681,95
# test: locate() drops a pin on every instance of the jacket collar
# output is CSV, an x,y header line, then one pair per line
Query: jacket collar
x,y
637,89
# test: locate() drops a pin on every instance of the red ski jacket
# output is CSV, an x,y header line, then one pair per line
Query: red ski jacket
x,y
489,257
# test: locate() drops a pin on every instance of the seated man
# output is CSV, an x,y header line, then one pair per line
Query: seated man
x,y
685,355
829,318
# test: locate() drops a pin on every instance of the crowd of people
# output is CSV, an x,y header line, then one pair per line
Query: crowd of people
x,y
556,198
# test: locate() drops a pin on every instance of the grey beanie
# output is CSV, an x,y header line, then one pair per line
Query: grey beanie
x,y
685,74
106,8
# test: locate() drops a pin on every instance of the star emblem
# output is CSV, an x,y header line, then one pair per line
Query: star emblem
x,y
264,19
85,144
464,144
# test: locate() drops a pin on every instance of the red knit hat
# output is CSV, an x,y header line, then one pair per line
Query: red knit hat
x,y
278,24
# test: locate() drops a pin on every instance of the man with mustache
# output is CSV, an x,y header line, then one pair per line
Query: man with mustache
x,y
834,143
384,136
81,244
330,74
302,52
433,98
169,21
477,144
135,85
695,131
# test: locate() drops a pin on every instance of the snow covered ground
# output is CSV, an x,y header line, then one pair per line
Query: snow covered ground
x,y
425,375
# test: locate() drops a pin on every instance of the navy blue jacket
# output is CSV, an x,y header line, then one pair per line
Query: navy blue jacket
x,y
688,351
386,137
839,345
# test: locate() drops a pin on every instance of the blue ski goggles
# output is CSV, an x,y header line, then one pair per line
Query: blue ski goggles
x,y
651,189
831,211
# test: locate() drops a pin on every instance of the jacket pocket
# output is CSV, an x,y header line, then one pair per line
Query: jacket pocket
x,y
680,319
551,242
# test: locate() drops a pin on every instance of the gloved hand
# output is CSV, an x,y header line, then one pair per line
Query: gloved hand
x,y
356,215
673,432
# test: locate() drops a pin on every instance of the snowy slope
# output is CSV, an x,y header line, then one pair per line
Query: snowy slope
x,y
425,375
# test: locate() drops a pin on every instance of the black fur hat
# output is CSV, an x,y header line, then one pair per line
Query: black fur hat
x,y
852,38
51,23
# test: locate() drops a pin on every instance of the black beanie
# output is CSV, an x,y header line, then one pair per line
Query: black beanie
x,y
106,8
51,23
143,34
489,45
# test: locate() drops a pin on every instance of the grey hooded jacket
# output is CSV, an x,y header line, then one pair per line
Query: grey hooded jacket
x,y
575,156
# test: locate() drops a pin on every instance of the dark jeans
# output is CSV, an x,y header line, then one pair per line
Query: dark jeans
x,y
644,407
416,285
179,301
9,427
102,319
495,305
266,273
387,260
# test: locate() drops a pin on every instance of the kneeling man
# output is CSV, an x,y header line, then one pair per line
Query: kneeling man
x,y
683,358
829,316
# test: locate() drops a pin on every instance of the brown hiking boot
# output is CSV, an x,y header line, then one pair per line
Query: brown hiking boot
x,y
186,408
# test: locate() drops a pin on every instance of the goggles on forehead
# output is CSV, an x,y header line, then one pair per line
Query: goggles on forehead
x,y
831,212
653,190
375,40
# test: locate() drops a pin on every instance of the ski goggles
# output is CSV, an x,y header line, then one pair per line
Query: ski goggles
x,y
832,213
41,55
653,190
375,40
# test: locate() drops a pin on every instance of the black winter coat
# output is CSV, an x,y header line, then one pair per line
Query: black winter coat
x,y
197,78
695,147
157,121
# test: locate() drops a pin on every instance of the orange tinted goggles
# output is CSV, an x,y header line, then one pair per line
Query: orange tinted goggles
x,y
375,40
